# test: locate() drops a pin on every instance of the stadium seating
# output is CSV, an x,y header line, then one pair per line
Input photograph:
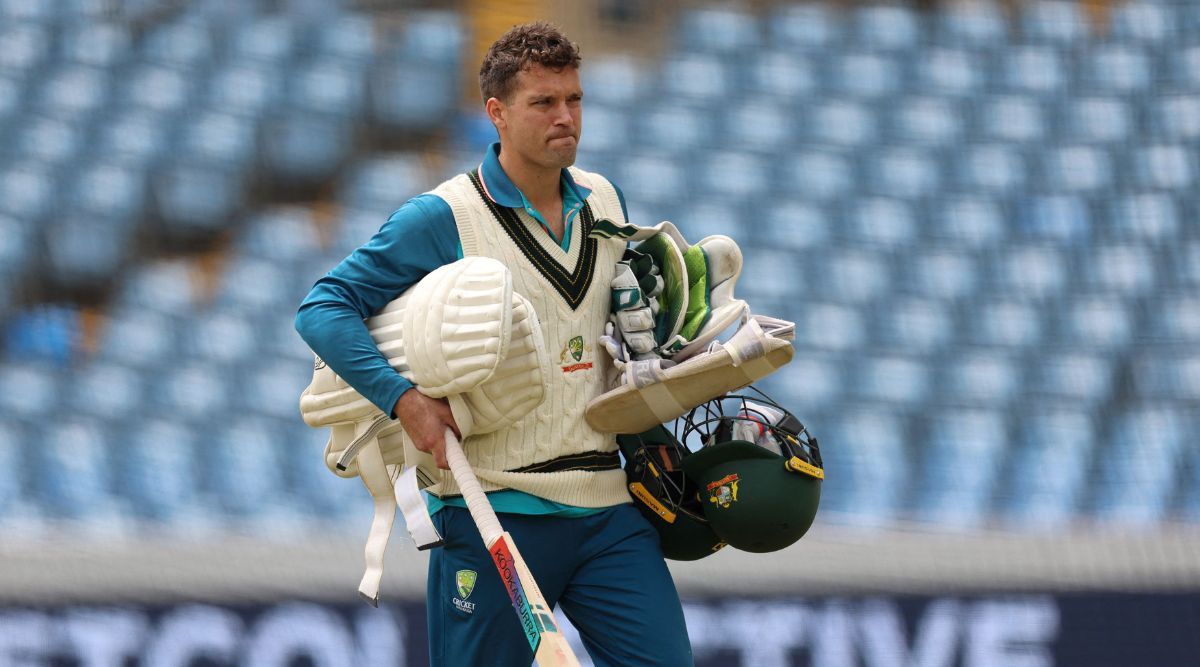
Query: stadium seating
x,y
983,226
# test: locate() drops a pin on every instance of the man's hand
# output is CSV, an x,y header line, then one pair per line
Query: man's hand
x,y
425,420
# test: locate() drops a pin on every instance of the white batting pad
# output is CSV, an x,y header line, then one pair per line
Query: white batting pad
x,y
458,324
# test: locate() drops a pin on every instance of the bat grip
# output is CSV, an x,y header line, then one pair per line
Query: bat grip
x,y
481,510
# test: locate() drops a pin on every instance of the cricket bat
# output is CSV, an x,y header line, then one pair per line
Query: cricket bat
x,y
550,648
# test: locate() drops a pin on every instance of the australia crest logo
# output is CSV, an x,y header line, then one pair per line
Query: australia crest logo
x,y
464,583
723,492
571,358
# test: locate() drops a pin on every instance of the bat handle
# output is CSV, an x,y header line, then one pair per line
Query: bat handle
x,y
481,510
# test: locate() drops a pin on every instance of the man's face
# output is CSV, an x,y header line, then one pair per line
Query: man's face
x,y
541,121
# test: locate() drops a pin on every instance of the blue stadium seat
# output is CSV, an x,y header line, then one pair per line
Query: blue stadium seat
x,y
27,190
406,97
51,141
304,149
245,468
244,88
259,285
818,175
984,379
867,448
40,390
863,75
221,138
791,224
717,30
107,391
1165,167
336,88
264,38
941,273
1050,466
13,444
1033,70
85,250
434,38
159,479
137,139
649,179
947,71
1141,453
813,383
99,44
757,125
1119,269
673,129
1097,119
272,388
381,183
188,45
1030,271
222,338
287,235
960,467
615,80
167,287
975,25
770,272
74,93
1058,22
841,123
906,173
1062,219
1003,323
884,222
788,77
140,338
1184,67
1011,118
608,130
157,88
109,190
327,494
1150,23
824,325
1184,264
1121,69
696,77
967,221
932,122
706,216
733,174
886,27
1175,318
193,391
1095,322
914,325
853,274
992,169
894,379
73,477
809,27
195,199
1086,380
1167,374
1175,116
349,37
25,47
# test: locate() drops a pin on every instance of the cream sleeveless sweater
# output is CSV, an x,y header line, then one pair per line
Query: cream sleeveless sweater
x,y
552,453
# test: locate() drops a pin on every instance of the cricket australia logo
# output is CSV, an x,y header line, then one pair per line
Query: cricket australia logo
x,y
571,358
723,492
464,582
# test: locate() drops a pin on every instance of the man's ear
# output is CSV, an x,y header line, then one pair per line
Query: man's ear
x,y
496,112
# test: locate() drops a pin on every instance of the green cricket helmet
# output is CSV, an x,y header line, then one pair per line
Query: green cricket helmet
x,y
758,470
668,499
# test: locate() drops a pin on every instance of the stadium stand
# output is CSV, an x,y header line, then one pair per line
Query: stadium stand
x,y
983,227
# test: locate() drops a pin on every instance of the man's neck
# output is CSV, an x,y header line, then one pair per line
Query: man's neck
x,y
536,183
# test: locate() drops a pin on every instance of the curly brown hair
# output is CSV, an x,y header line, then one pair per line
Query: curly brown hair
x,y
536,43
